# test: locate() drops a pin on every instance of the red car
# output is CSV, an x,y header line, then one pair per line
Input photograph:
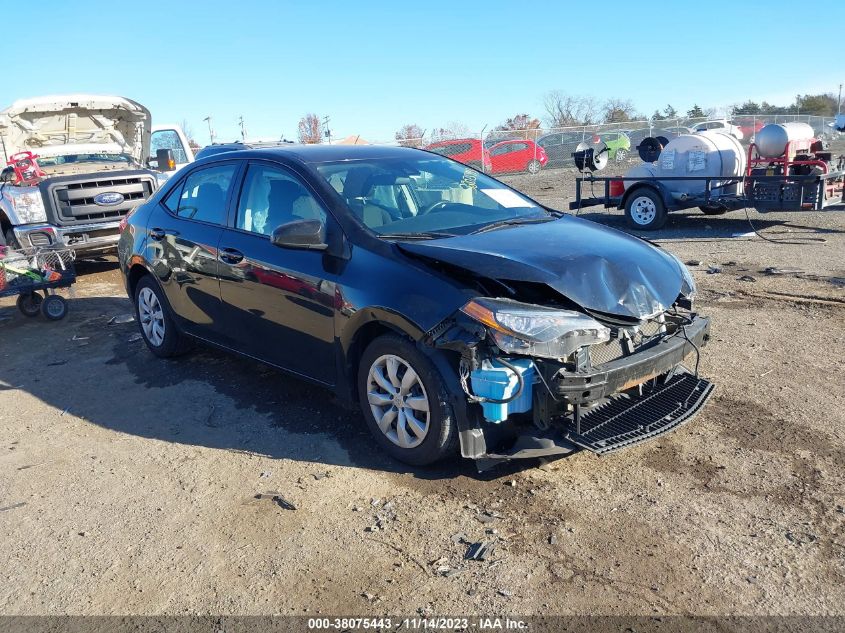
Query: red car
x,y
468,151
749,126
517,155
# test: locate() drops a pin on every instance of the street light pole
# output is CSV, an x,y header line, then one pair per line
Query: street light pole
x,y
839,101
210,129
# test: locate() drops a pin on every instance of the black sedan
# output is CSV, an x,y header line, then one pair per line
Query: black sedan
x,y
455,310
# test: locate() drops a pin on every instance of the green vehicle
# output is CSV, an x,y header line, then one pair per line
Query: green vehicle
x,y
618,144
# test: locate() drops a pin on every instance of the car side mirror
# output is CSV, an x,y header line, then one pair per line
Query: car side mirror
x,y
301,234
165,160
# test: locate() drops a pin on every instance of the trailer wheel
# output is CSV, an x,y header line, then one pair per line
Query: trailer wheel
x,y
29,303
645,210
54,307
713,210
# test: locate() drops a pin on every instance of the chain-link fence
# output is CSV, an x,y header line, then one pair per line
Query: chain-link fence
x,y
535,149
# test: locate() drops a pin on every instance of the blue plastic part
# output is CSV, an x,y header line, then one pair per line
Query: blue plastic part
x,y
493,380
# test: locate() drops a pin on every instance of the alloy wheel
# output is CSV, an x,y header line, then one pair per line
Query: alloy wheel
x,y
151,315
398,401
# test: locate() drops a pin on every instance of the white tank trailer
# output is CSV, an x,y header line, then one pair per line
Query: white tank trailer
x,y
785,169
711,153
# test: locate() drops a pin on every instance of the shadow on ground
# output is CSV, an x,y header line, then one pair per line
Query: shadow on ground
x,y
83,364
695,225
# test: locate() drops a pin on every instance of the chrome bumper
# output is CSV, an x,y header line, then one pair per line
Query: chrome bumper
x,y
80,237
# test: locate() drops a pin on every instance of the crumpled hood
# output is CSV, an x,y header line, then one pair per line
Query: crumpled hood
x,y
69,124
598,268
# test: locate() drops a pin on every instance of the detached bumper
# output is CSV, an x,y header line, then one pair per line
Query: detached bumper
x,y
630,371
82,238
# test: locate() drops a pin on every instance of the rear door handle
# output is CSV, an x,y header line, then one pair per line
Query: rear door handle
x,y
231,256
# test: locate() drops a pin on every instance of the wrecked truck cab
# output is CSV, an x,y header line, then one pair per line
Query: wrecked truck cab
x,y
91,154
456,311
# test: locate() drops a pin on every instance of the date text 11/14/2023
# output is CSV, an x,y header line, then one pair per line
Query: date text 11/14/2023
x,y
417,624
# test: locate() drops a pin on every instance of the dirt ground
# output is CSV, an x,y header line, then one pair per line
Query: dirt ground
x,y
128,484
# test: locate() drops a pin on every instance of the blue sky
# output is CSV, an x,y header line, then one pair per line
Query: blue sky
x,y
375,65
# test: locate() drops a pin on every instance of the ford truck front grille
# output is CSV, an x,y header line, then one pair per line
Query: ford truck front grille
x,y
76,201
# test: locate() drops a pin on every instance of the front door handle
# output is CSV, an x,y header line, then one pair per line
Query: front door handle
x,y
231,256
157,234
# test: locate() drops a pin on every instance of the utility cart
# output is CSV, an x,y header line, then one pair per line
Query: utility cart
x,y
34,275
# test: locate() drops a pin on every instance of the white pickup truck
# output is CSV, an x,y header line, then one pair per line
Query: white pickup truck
x,y
95,153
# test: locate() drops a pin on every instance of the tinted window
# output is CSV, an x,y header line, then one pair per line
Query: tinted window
x,y
168,139
204,195
501,149
412,195
271,196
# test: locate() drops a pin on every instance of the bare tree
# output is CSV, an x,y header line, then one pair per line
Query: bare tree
x,y
453,129
618,110
310,130
188,129
520,126
410,135
565,110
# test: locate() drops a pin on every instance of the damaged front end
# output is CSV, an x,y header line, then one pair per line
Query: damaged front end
x,y
541,380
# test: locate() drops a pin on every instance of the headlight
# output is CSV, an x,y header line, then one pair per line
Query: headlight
x,y
519,328
688,288
29,205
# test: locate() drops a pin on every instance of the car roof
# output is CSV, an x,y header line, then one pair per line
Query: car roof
x,y
322,153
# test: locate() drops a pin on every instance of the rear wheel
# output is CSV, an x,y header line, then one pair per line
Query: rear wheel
x,y
713,210
405,403
645,210
155,321
534,166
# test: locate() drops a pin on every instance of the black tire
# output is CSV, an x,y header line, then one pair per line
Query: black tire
x,y
54,308
7,238
534,166
29,303
644,210
713,210
173,342
621,155
441,437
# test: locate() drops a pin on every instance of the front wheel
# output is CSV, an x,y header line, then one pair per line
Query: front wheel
x,y
534,166
645,210
621,154
404,402
54,307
